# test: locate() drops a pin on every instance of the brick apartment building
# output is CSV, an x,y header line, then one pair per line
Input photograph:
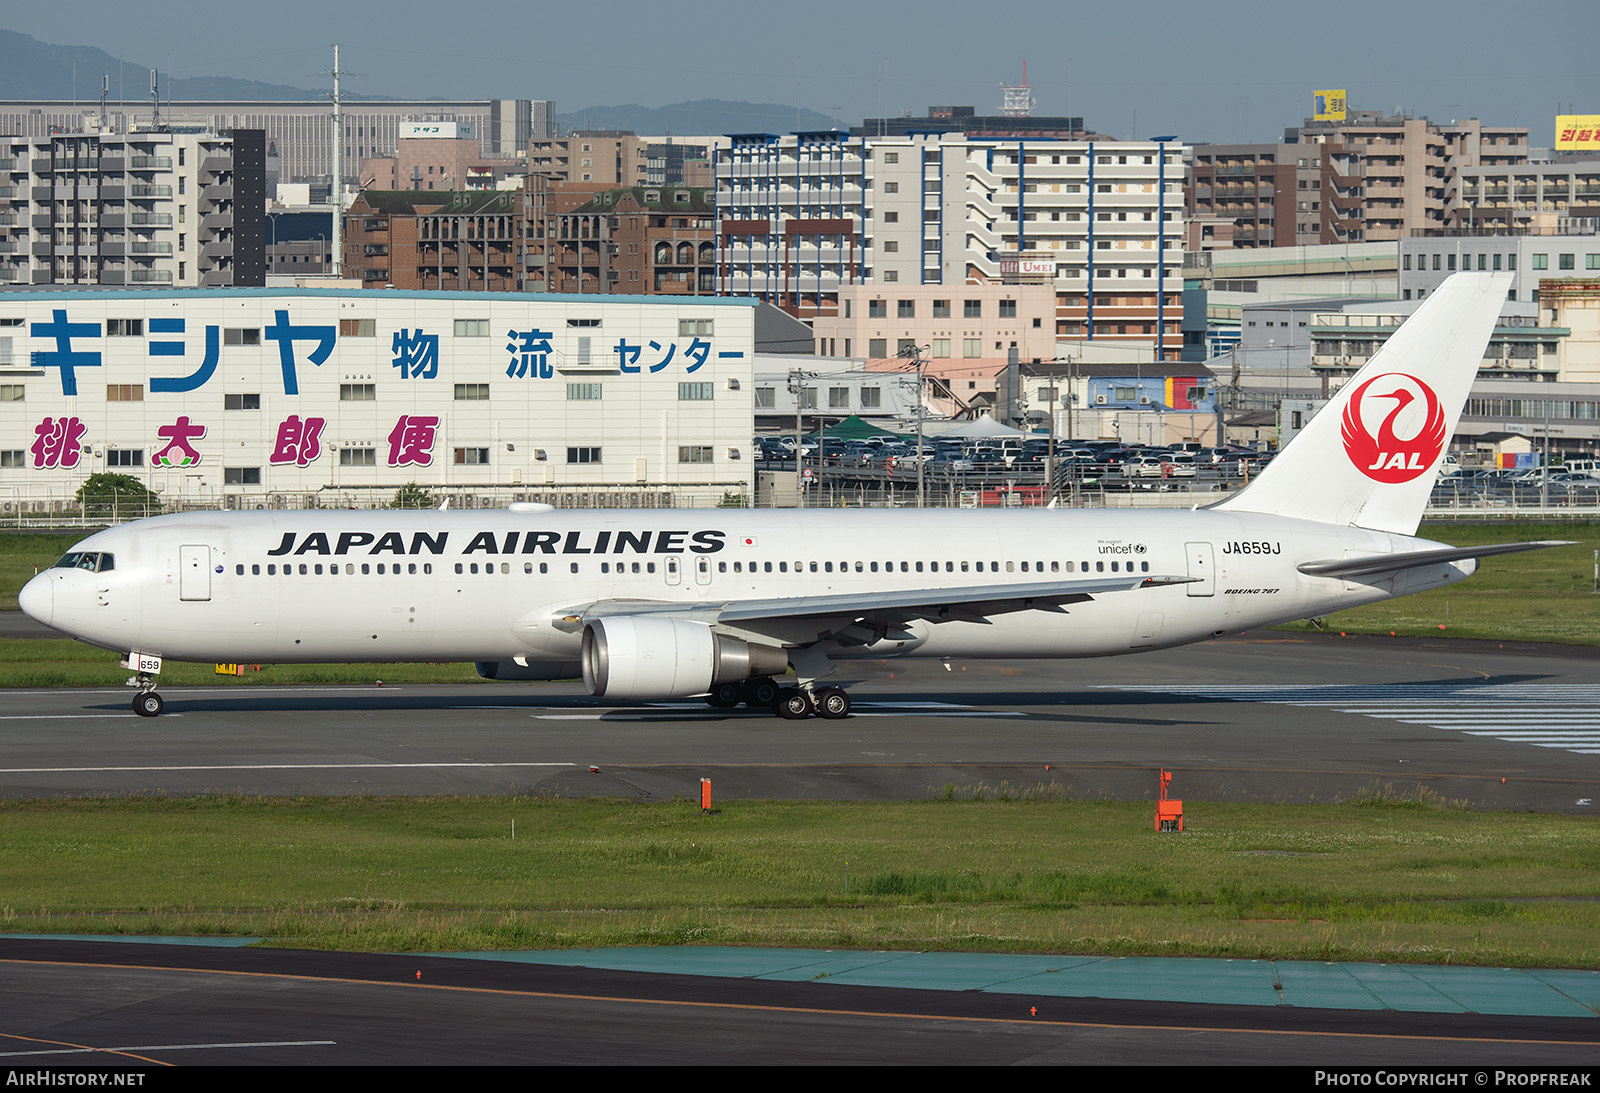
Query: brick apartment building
x,y
550,236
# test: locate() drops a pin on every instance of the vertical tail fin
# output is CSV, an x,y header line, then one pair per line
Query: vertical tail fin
x,y
1369,458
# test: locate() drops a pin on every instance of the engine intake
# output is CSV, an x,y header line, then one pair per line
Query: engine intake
x,y
643,657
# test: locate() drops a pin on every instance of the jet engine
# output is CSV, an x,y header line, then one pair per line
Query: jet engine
x,y
524,669
645,657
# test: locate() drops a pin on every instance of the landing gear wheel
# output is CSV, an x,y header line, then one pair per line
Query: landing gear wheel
x,y
725,696
148,704
793,704
832,703
760,692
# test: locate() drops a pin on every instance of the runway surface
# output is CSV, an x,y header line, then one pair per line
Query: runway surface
x,y
154,1005
1259,717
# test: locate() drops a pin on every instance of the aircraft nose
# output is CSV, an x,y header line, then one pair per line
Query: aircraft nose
x,y
37,598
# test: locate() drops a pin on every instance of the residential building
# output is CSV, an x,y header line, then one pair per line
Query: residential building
x,y
1386,176
160,208
803,216
1256,189
657,240
465,241
965,334
603,157
1370,178
1535,196
550,236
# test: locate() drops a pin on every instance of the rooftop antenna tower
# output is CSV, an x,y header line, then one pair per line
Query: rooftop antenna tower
x,y
1017,101
155,103
105,91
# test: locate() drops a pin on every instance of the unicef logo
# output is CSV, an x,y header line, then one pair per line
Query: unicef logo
x,y
1139,548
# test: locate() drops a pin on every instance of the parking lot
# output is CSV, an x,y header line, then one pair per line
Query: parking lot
x,y
979,475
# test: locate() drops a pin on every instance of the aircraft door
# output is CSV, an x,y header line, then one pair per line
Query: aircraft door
x,y
674,570
702,571
194,572
1202,568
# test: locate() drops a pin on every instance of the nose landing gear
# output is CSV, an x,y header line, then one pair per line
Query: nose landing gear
x,y
148,704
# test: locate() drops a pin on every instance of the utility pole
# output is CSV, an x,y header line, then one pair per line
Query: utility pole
x,y
338,171
918,355
797,385
1050,455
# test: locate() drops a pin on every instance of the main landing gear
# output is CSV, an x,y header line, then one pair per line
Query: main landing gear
x,y
795,704
789,703
758,692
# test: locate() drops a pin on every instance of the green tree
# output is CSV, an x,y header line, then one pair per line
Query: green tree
x,y
412,496
106,496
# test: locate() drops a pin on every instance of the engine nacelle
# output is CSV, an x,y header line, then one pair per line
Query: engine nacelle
x,y
524,669
645,657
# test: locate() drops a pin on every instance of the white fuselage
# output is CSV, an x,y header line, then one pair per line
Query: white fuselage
x,y
497,585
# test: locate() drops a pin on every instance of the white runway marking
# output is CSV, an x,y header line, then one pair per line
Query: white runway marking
x,y
163,1047
279,766
1545,715
69,716
693,711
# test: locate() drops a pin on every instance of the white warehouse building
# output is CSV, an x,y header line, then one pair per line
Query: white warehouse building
x,y
333,397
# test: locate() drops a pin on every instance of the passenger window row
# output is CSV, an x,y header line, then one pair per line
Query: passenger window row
x,y
89,561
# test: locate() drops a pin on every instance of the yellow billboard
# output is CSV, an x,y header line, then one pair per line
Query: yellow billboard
x,y
1577,132
1328,105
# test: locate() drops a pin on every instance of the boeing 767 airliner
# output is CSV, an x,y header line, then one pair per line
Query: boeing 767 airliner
x,y
653,604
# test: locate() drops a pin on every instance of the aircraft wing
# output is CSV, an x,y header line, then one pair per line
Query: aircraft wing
x,y
936,604
1390,563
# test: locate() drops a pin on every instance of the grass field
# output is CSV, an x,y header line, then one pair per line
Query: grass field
x,y
1379,879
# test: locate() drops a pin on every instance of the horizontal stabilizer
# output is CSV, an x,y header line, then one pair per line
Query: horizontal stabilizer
x,y
1389,563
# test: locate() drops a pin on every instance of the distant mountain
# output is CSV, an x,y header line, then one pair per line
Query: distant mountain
x,y
704,116
39,70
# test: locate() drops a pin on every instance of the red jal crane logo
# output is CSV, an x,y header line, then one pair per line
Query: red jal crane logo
x,y
1385,457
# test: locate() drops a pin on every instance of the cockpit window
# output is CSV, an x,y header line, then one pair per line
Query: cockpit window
x,y
93,561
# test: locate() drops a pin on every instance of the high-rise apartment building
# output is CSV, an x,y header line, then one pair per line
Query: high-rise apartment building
x,y
141,208
1101,222
602,157
1370,178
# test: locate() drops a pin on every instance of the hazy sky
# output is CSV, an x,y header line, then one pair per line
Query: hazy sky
x,y
1229,70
